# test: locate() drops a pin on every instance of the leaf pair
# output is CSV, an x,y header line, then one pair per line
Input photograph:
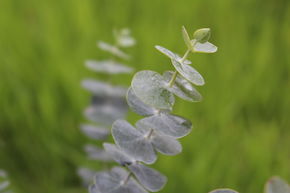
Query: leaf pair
x,y
183,67
142,143
115,181
149,178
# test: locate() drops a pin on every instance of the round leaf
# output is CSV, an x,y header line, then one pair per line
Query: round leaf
x,y
118,155
151,179
188,73
115,181
138,106
182,88
133,142
165,144
148,86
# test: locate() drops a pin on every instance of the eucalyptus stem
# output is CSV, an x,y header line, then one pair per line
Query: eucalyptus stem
x,y
149,133
171,82
185,56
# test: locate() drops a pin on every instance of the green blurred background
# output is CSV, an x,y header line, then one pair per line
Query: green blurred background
x,y
241,134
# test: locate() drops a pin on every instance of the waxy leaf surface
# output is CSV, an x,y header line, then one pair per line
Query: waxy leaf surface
x,y
97,133
172,125
188,73
114,181
118,155
151,179
133,142
171,55
148,86
138,106
182,88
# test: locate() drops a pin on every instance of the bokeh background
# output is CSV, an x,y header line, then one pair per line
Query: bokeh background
x,y
241,134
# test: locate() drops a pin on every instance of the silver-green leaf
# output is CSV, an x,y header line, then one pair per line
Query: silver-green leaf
x,y
206,47
138,106
182,88
133,142
172,125
277,185
148,86
171,55
151,179
188,73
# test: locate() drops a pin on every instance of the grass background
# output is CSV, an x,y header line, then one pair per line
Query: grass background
x,y
241,134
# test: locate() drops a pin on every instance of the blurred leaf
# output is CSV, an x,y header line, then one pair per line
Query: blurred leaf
x,y
94,189
113,50
96,153
108,66
99,88
94,132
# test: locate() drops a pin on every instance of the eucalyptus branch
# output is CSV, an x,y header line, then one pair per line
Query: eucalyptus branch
x,y
152,95
108,102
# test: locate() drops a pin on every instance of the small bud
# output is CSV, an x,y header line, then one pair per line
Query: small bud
x,y
202,35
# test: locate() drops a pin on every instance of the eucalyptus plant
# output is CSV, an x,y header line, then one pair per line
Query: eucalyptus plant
x,y
152,95
4,182
108,101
